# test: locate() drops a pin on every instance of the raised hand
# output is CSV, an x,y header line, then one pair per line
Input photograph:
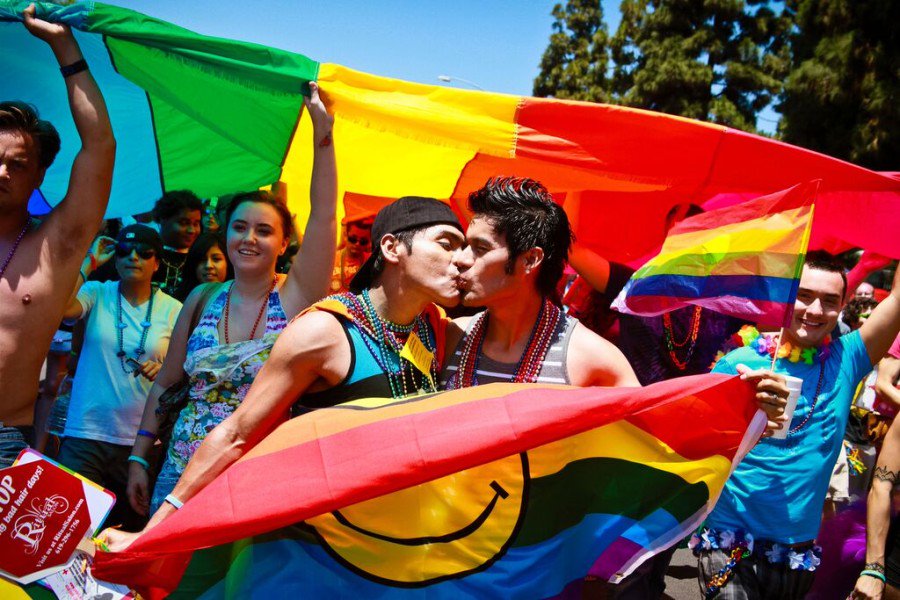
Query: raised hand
x,y
322,121
44,30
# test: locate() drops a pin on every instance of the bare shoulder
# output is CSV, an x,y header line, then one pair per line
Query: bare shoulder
x,y
311,334
594,360
585,340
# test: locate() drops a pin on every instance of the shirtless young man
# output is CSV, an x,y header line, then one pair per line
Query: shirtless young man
x,y
39,263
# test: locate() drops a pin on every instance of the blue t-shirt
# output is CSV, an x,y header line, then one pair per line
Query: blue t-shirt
x,y
777,492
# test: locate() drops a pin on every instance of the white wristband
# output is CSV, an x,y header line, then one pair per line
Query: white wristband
x,y
173,501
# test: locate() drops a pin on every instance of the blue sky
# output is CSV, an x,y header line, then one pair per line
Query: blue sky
x,y
496,44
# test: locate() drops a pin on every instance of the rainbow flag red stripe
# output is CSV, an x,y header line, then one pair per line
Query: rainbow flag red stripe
x,y
471,491
743,261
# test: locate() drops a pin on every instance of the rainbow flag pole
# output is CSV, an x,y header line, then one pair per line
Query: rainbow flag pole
x,y
744,261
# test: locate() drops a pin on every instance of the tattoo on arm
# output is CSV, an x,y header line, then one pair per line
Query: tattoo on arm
x,y
326,141
884,474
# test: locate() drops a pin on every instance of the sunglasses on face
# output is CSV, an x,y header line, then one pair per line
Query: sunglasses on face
x,y
124,249
362,241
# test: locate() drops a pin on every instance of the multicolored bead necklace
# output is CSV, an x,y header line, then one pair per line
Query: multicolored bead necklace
x,y
532,358
383,338
691,338
121,325
718,581
262,310
15,246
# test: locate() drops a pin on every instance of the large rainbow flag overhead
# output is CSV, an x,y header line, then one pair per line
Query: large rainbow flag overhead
x,y
503,490
744,261
218,116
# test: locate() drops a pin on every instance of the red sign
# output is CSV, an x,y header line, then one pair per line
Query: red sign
x,y
43,517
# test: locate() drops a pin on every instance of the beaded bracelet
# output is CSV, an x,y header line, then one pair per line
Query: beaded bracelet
x,y
173,501
76,67
140,461
874,566
145,433
874,574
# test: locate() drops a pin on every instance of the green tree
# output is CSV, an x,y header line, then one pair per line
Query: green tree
x,y
713,60
842,96
575,63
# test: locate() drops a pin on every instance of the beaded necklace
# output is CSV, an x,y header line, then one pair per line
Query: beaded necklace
x,y
691,337
383,338
15,246
532,358
121,325
812,408
173,276
262,309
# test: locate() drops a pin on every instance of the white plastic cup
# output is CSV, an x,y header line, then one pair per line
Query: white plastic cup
x,y
794,385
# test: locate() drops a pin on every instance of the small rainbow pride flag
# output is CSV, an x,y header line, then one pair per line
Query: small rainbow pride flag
x,y
744,261
496,491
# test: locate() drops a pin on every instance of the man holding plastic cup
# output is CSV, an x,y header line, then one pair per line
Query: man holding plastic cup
x,y
759,541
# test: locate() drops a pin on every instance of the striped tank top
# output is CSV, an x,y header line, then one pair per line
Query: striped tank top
x,y
553,368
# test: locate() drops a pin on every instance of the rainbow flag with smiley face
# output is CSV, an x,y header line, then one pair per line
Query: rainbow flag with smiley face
x,y
502,490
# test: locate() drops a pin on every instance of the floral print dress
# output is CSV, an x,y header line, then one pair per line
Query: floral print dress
x,y
220,376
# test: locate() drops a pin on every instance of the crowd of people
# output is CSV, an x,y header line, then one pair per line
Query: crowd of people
x,y
198,331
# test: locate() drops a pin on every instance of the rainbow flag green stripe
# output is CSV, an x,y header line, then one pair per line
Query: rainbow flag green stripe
x,y
560,501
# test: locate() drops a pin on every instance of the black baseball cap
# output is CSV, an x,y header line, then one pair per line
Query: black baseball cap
x,y
408,212
141,234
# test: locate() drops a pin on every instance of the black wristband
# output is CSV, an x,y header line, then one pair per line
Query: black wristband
x,y
76,67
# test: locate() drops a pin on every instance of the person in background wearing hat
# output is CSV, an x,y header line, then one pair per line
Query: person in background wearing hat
x,y
347,346
41,260
356,250
128,324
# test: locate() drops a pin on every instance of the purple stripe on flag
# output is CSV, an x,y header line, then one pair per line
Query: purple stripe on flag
x,y
616,556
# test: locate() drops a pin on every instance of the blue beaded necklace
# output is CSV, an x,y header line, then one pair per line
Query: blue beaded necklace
x,y
121,325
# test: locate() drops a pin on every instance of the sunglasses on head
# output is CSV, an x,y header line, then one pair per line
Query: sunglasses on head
x,y
363,241
124,249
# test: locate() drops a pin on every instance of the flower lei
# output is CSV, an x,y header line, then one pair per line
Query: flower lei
x,y
766,343
740,545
